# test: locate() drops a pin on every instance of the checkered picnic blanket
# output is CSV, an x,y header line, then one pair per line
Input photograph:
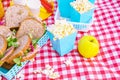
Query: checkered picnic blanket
x,y
106,65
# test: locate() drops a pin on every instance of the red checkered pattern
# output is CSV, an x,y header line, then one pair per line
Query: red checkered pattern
x,y
105,66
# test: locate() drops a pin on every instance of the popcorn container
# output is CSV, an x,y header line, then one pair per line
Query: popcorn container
x,y
64,8
64,45
92,1
81,17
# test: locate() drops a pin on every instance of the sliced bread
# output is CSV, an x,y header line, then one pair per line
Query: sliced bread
x,y
5,31
3,45
7,54
24,41
15,14
31,26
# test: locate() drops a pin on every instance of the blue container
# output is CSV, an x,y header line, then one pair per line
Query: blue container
x,y
9,74
83,18
92,1
64,45
64,7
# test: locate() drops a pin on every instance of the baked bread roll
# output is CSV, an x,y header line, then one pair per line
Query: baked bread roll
x,y
31,26
15,14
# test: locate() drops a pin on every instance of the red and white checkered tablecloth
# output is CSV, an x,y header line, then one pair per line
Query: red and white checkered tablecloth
x,y
105,66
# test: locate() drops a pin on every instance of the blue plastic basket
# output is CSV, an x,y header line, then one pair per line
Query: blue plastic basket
x,y
9,74
84,27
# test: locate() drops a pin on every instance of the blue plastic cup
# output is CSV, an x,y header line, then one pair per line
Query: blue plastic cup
x,y
78,17
64,7
64,45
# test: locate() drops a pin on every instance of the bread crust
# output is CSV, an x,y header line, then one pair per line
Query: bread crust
x,y
35,33
2,50
5,31
30,55
15,16
8,53
20,53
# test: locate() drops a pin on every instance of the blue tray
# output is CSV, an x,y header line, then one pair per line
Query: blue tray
x,y
9,74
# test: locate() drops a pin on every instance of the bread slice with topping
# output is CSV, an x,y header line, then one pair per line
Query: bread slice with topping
x,y
3,45
5,31
15,14
24,42
7,54
31,26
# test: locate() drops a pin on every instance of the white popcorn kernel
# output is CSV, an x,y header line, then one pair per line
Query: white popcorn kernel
x,y
46,72
54,75
61,29
82,5
48,67
68,61
37,71
20,75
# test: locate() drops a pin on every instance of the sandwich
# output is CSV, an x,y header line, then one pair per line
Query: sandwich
x,y
7,54
24,43
31,26
5,31
15,15
3,45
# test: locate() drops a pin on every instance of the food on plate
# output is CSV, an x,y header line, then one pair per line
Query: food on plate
x,y
1,10
15,15
5,31
3,45
32,27
88,46
82,6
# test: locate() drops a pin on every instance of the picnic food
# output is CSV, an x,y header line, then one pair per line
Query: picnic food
x,y
5,31
31,26
3,45
88,46
15,14
44,13
61,29
1,10
61,35
47,5
82,6
6,55
24,43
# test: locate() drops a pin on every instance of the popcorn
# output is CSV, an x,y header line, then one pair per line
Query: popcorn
x,y
37,71
61,29
82,6
68,61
